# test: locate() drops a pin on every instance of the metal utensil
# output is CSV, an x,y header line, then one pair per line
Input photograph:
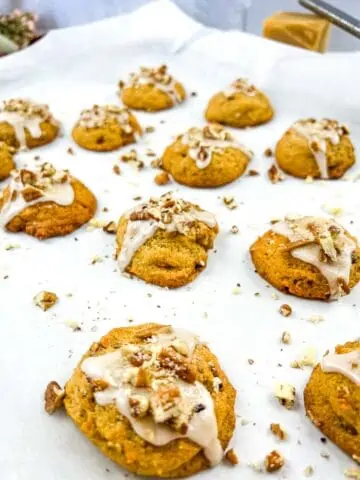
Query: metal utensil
x,y
334,15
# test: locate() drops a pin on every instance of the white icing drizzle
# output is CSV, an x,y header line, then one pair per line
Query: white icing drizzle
x,y
50,188
204,142
99,115
348,364
115,369
318,133
241,85
24,115
158,77
165,213
326,246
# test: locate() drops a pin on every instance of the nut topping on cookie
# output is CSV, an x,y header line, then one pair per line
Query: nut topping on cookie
x,y
164,213
204,142
101,115
318,133
161,397
159,77
324,244
241,85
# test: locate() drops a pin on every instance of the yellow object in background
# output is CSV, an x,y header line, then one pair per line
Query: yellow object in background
x,y
299,29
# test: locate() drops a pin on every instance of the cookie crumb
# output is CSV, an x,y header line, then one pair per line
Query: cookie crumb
x,y
162,178
231,457
274,174
116,169
275,296
309,179
274,461
45,300
253,173
73,324
54,397
286,337
268,152
324,454
110,227
70,151
150,153
336,211
285,310
97,259
278,431
150,129
286,395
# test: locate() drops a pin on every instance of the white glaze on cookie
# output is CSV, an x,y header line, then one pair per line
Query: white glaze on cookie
x,y
165,213
154,427
318,134
55,188
204,142
25,115
324,244
347,364
159,77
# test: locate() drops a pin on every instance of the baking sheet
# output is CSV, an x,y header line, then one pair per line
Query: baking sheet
x,y
75,68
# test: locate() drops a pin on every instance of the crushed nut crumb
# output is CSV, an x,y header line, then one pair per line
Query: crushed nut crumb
x,y
268,152
275,175
231,457
274,461
45,300
116,169
286,338
316,319
162,178
309,471
70,151
253,173
110,227
54,397
285,310
230,202
278,431
234,229
286,395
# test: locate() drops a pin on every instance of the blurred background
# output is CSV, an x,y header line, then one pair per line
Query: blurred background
x,y
245,15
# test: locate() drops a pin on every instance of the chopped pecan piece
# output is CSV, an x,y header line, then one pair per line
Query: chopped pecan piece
x,y
45,300
278,431
54,397
31,193
171,360
27,177
110,227
274,174
139,406
285,310
164,403
231,457
274,461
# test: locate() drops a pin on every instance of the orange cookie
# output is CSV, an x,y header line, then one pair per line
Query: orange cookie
x,y
151,89
106,128
45,203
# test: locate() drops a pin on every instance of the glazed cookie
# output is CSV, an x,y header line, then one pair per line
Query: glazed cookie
x,y
319,149
106,128
206,157
45,203
153,399
6,160
309,257
165,241
332,397
25,124
151,89
240,105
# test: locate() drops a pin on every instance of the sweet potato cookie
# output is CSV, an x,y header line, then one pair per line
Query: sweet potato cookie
x,y
25,124
309,257
241,105
6,160
332,397
45,203
319,149
151,89
165,241
153,399
206,157
106,128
